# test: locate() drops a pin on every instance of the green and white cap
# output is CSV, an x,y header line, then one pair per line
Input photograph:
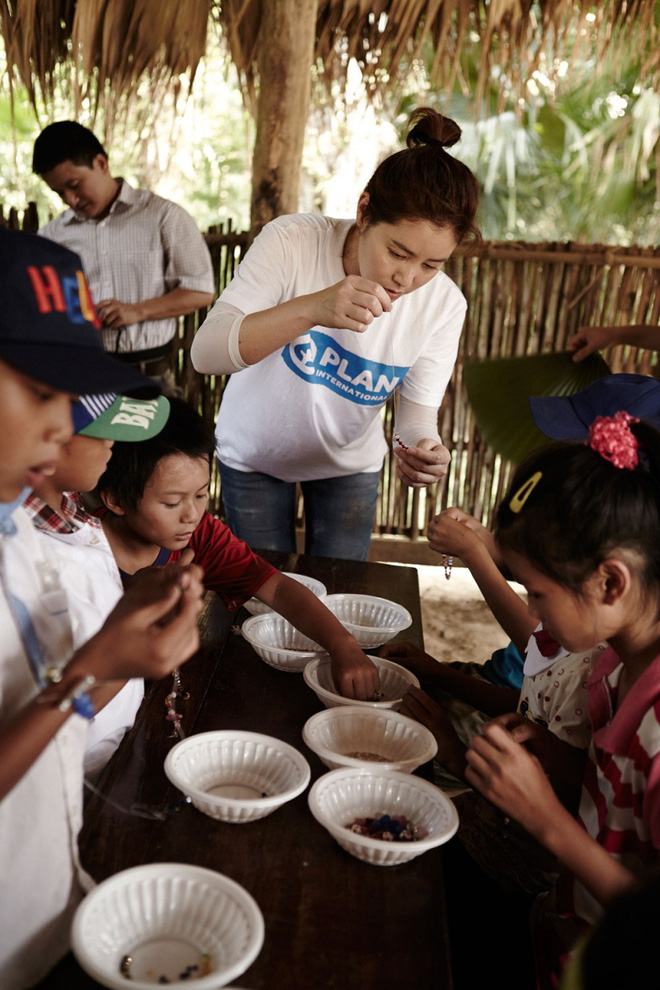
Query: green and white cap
x,y
118,417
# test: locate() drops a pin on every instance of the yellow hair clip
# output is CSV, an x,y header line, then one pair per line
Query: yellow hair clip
x,y
525,490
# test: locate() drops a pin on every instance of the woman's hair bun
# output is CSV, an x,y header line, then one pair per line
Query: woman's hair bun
x,y
427,126
423,182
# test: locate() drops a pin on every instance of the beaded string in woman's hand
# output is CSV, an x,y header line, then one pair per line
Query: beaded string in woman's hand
x,y
447,559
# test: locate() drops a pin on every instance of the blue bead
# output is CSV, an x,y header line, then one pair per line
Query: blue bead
x,y
83,706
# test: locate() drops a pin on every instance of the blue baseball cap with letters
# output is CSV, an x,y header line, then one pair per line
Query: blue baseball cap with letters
x,y
49,328
568,417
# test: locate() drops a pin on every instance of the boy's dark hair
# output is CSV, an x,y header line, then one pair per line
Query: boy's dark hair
x,y
582,509
425,182
132,464
63,141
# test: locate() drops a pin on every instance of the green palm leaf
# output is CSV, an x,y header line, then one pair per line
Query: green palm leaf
x,y
499,392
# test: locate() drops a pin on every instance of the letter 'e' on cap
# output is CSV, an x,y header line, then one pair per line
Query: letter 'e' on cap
x,y
49,328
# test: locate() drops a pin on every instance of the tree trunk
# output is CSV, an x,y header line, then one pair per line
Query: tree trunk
x,y
286,52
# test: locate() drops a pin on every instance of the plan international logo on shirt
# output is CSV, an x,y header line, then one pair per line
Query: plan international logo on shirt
x,y
320,360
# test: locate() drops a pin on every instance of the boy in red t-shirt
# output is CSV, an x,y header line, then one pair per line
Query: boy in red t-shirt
x,y
155,507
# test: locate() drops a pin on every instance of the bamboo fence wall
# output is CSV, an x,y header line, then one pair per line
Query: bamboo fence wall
x,y
523,298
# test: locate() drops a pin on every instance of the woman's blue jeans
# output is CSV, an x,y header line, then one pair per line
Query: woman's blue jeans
x,y
339,512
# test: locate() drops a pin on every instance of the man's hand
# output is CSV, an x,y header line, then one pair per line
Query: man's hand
x,y
114,314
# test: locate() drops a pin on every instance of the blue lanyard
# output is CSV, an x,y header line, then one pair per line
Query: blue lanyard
x,y
37,660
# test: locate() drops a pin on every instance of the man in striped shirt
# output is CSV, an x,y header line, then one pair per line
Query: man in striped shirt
x,y
144,258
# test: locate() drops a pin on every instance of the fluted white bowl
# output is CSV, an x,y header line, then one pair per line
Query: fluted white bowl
x,y
237,776
394,682
373,621
389,741
279,643
166,917
341,796
255,607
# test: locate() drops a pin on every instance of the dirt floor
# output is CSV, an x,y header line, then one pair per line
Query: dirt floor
x,y
458,625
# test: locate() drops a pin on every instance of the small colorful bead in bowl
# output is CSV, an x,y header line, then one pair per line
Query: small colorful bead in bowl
x,y
396,828
167,923
343,800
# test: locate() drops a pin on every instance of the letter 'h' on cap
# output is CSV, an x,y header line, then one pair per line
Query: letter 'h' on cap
x,y
48,324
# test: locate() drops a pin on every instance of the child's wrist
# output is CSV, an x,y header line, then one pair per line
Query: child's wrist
x,y
343,646
550,829
475,553
71,693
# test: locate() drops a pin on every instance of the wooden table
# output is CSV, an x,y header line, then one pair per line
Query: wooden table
x,y
331,920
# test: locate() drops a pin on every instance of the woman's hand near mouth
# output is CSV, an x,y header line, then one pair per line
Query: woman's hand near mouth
x,y
352,304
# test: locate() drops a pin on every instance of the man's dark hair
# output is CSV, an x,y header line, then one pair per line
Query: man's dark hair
x,y
63,141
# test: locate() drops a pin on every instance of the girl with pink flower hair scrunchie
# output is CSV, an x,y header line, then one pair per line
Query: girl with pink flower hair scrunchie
x,y
580,528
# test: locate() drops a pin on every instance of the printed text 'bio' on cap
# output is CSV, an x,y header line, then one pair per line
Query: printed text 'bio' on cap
x,y
49,328
568,417
119,417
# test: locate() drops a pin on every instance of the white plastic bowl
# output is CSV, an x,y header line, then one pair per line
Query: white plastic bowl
x,y
341,796
394,682
166,917
373,621
237,776
255,607
279,643
394,741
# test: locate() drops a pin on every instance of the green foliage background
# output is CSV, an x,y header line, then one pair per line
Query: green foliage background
x,y
576,159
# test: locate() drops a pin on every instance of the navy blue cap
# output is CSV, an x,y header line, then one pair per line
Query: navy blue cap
x,y
568,417
49,328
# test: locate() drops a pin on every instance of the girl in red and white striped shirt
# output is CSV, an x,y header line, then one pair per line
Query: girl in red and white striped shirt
x,y
580,528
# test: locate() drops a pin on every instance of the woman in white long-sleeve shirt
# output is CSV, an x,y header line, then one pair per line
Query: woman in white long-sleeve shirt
x,y
324,320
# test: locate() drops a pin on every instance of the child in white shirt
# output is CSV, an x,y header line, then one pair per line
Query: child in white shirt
x,y
49,352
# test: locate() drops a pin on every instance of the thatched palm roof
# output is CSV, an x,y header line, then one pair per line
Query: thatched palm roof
x,y
119,40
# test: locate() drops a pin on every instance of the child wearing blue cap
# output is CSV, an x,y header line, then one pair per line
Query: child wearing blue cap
x,y
50,352
74,538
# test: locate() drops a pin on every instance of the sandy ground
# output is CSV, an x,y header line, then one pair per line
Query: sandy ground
x,y
458,625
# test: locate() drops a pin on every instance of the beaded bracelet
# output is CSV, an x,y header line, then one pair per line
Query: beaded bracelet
x,y
76,697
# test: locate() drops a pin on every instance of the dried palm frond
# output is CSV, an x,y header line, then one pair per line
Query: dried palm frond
x,y
36,39
111,44
115,42
386,36
499,392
